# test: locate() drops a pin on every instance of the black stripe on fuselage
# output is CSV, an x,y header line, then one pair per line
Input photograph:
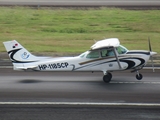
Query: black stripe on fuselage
x,y
131,64
136,52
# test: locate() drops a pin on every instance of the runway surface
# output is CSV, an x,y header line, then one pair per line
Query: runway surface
x,y
78,95
83,2
78,86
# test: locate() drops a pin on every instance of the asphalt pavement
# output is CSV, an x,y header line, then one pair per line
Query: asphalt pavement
x,y
78,95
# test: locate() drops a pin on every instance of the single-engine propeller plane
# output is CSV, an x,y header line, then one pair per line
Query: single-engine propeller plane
x,y
105,55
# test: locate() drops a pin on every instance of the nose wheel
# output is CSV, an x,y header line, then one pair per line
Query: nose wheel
x,y
107,78
139,76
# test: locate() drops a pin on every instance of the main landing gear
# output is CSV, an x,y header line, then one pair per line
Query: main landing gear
x,y
107,77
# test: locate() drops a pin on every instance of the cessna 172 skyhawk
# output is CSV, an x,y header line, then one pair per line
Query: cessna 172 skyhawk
x,y
105,55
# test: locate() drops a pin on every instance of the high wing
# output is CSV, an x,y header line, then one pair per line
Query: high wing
x,y
107,43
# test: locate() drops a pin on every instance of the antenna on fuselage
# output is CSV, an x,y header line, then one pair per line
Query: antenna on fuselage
x,y
95,41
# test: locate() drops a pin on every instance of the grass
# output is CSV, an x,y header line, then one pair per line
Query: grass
x,y
74,30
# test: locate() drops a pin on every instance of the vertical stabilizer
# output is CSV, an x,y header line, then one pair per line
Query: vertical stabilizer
x,y
18,54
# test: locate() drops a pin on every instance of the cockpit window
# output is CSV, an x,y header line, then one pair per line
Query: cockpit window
x,y
107,52
121,50
93,54
110,52
104,52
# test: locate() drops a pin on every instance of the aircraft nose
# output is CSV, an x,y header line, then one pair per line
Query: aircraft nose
x,y
153,53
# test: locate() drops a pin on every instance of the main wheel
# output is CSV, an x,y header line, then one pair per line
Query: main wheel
x,y
139,76
107,78
110,75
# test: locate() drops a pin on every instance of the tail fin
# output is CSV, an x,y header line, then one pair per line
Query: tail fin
x,y
18,54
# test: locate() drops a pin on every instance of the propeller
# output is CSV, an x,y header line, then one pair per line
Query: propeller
x,y
151,54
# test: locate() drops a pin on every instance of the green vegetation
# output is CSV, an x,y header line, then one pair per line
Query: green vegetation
x,y
74,30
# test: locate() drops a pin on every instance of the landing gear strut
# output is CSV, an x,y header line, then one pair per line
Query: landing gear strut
x,y
107,77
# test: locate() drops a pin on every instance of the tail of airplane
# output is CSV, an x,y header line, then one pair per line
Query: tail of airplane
x,y
19,55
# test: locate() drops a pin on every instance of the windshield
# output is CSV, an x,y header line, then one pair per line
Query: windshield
x,y
121,49
83,54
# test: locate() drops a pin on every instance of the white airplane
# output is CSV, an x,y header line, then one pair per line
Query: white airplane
x,y
105,55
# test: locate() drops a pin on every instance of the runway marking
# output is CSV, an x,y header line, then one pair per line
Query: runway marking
x,y
135,82
80,103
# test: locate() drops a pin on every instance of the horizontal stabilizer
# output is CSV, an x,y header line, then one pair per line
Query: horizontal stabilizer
x,y
24,68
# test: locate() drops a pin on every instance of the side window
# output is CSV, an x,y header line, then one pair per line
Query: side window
x,y
110,52
107,52
104,52
93,54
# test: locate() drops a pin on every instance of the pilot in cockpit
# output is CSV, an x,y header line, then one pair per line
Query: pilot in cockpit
x,y
110,53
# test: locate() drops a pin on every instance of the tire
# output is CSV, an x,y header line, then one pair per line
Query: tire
x,y
110,75
107,78
139,77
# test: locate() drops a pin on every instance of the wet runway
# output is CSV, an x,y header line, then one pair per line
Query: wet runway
x,y
78,86
52,94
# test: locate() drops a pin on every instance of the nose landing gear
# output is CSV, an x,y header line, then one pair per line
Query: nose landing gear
x,y
139,76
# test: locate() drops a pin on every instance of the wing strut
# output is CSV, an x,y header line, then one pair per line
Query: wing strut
x,y
116,55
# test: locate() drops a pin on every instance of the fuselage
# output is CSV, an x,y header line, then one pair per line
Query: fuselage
x,y
128,60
